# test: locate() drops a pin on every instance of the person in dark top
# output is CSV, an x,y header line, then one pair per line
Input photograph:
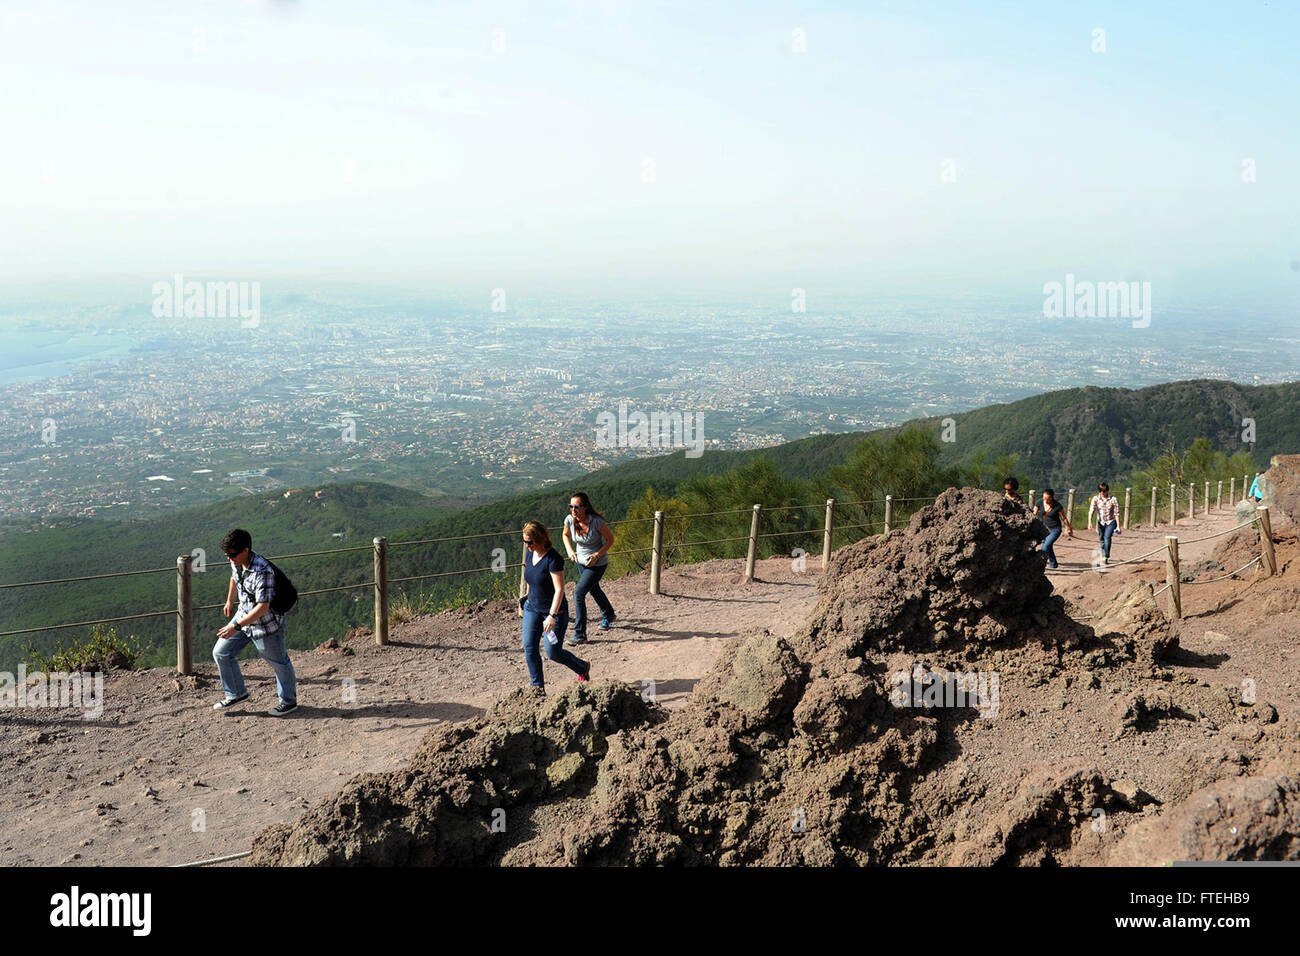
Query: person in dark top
x,y
546,611
1011,490
1052,515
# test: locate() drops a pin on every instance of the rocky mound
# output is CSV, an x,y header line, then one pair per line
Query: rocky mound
x,y
841,745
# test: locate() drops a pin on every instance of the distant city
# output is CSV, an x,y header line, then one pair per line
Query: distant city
x,y
119,412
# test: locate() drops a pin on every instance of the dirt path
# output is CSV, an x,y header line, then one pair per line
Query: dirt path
x,y
1080,581
162,779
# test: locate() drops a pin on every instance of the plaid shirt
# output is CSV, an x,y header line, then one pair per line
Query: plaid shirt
x,y
258,585
1107,509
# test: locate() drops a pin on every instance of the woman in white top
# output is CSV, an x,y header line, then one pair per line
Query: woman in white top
x,y
587,539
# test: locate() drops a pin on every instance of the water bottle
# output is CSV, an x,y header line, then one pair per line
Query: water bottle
x,y
550,636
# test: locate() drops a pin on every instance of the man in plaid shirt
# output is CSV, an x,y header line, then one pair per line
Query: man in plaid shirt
x,y
1106,506
252,580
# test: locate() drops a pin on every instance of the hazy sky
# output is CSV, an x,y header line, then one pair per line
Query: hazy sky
x,y
390,139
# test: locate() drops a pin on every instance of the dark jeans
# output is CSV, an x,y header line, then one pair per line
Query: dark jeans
x,y
1104,532
556,652
589,583
1047,546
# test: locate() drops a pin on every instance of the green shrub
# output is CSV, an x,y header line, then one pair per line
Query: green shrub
x,y
101,650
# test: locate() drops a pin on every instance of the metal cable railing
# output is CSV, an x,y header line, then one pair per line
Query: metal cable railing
x,y
1231,574
89,577
694,544
1244,524
103,620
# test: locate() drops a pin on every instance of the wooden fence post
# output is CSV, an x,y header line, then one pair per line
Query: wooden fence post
x,y
1173,506
1232,491
889,514
185,614
1218,501
1245,487
1266,540
1128,496
752,555
381,590
657,553
1191,501
830,530
1153,506
1032,492
1069,508
1171,574
1206,509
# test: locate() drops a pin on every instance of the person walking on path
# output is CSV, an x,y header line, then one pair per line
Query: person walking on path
x,y
587,539
1052,515
546,610
1011,490
1106,506
252,581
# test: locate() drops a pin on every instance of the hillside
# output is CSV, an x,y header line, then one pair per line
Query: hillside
x,y
1068,438
1073,436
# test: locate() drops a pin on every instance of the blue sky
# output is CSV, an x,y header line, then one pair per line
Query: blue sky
x,y
390,141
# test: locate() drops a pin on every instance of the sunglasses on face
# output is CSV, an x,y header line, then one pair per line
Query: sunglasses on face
x,y
575,507
235,554
528,540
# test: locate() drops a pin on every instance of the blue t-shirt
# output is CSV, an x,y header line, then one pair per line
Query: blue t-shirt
x,y
541,589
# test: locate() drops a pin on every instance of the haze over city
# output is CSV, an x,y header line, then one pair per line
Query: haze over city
x,y
455,236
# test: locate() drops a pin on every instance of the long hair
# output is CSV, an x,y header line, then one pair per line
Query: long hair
x,y
586,503
537,531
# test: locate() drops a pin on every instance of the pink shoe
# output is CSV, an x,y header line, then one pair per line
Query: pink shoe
x,y
585,675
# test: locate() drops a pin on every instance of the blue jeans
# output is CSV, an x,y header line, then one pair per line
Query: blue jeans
x,y
1047,546
1104,532
556,652
273,651
589,583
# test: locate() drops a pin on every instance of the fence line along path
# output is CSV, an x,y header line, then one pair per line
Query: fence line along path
x,y
890,506
1159,554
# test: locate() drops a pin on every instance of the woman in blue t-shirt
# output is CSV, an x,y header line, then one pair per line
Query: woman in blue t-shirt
x,y
546,611
587,539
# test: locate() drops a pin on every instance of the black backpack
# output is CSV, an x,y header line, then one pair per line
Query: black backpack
x,y
284,596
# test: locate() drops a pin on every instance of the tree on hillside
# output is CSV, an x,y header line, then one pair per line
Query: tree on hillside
x,y
977,473
636,531
1199,463
906,465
